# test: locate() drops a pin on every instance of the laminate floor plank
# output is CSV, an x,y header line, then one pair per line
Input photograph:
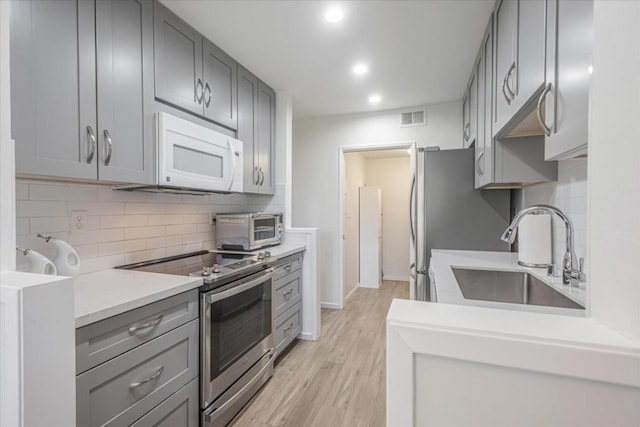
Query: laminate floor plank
x,y
338,380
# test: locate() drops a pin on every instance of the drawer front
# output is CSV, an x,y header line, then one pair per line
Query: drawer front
x,y
288,326
104,340
286,293
287,265
180,410
123,389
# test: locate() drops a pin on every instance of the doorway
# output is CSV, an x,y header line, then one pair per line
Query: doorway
x,y
387,170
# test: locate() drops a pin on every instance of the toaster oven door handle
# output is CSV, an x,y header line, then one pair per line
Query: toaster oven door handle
x,y
215,297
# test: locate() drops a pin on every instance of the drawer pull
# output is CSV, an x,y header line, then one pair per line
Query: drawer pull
x,y
152,324
137,384
287,331
287,267
287,295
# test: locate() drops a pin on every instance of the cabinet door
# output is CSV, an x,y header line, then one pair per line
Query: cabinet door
x,y
124,50
485,162
247,115
266,136
53,92
473,107
505,33
529,74
480,144
569,53
220,73
178,61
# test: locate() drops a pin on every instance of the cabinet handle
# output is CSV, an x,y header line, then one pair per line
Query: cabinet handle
x,y
511,94
287,331
480,171
152,324
137,384
255,172
287,295
541,100
262,176
91,144
207,100
199,91
109,147
287,267
464,132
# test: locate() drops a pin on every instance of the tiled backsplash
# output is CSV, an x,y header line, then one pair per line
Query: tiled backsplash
x,y
569,194
124,227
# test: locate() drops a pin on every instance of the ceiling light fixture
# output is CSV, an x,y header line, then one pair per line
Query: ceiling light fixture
x,y
375,99
333,15
360,69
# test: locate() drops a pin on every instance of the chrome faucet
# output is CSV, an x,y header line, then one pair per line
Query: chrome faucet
x,y
572,273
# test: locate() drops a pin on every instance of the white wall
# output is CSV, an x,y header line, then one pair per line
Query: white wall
x,y
393,176
315,193
354,178
614,168
569,194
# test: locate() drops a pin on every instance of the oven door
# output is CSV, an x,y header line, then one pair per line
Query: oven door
x,y
236,332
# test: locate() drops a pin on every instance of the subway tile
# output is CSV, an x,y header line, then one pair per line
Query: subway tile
x,y
193,199
22,191
86,251
144,232
165,219
106,194
182,208
98,208
196,219
121,247
48,224
181,229
118,221
22,225
63,192
196,237
164,241
97,236
144,255
92,265
205,228
164,198
131,208
30,208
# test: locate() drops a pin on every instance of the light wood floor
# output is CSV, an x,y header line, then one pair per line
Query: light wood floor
x,y
338,380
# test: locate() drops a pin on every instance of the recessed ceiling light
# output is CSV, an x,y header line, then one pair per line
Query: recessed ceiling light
x,y
334,14
375,99
360,69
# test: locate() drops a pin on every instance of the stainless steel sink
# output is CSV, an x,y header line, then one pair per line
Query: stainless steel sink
x,y
509,286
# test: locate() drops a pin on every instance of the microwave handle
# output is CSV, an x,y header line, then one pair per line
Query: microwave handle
x,y
233,164
215,297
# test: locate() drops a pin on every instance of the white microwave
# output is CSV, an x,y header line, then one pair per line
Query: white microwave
x,y
191,156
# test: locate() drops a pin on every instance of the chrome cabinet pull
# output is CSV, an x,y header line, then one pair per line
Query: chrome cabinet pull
x,y
262,175
109,147
287,295
207,100
511,94
287,267
91,144
287,331
541,100
504,93
152,324
199,91
464,133
480,171
137,384
255,172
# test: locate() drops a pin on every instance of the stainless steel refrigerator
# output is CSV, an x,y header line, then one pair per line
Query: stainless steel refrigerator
x,y
448,213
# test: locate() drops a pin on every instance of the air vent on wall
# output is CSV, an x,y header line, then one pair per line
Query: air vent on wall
x,y
413,118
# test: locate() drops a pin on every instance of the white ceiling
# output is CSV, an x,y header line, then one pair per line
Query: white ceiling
x,y
384,154
419,52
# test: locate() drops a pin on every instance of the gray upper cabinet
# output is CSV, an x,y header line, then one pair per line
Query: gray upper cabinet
x,y
266,136
569,54
124,47
192,73
484,145
247,114
72,118
220,97
470,111
53,88
465,119
178,66
520,63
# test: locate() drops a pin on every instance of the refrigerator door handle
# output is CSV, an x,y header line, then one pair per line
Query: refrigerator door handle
x,y
411,221
412,271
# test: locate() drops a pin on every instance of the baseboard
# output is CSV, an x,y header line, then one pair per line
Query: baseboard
x,y
396,278
331,305
307,336
351,293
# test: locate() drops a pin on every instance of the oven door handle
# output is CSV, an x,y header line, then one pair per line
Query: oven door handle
x,y
215,297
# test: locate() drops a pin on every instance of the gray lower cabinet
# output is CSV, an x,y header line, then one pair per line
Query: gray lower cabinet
x,y
81,83
179,410
566,97
140,366
256,129
192,73
287,301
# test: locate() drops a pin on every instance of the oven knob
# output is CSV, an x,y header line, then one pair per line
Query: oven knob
x,y
206,271
261,256
216,268
267,254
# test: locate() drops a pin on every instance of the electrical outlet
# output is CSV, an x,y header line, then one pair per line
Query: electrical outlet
x,y
212,218
78,222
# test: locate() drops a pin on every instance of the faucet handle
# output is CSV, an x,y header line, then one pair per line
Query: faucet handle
x,y
581,265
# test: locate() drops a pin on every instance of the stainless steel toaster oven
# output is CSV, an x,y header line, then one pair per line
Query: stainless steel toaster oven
x,y
248,231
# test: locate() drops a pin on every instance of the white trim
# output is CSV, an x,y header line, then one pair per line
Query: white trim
x,y
341,182
396,278
330,305
355,288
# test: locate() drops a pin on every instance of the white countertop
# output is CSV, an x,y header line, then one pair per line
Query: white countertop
x,y
110,292
448,291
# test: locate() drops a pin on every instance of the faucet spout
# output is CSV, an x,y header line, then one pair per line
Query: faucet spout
x,y
572,273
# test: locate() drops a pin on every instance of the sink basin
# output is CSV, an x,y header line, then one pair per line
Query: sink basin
x,y
513,287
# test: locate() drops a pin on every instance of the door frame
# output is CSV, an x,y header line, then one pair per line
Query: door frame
x,y
411,145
